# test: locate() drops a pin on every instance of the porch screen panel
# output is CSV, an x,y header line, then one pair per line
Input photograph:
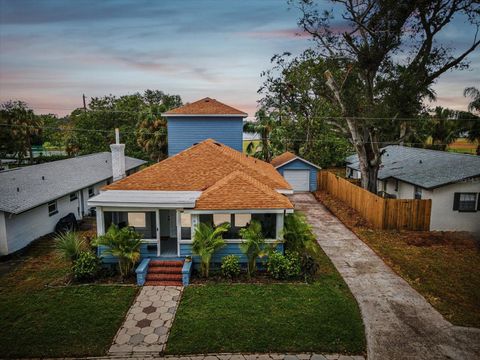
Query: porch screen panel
x,y
186,222
142,222
269,224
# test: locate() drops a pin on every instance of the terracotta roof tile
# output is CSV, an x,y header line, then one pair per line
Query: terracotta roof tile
x,y
282,158
205,106
241,191
199,167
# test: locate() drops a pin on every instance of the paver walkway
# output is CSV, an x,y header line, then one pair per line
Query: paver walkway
x,y
399,322
237,356
148,322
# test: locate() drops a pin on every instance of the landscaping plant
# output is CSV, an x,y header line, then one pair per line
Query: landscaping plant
x,y
86,266
253,244
70,245
230,266
124,244
208,239
282,267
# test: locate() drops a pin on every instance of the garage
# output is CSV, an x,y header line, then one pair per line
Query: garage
x,y
299,179
299,173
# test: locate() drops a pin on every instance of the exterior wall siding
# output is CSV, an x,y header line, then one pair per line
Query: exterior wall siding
x,y
183,132
300,165
21,229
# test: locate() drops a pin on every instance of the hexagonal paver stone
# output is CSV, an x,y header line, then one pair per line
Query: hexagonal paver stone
x,y
162,330
136,339
318,357
157,323
171,310
150,339
133,330
144,323
122,339
140,316
149,309
147,330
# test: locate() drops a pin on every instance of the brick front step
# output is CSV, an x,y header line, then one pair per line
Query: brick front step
x,y
165,263
164,269
163,283
162,277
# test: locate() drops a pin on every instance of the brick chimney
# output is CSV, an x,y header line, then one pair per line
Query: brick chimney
x,y
118,158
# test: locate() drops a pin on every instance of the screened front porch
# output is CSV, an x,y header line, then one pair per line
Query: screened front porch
x,y
169,232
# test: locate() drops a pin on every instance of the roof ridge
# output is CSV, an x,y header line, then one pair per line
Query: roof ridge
x,y
442,152
254,182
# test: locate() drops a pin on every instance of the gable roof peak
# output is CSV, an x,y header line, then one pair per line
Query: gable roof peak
x,y
206,107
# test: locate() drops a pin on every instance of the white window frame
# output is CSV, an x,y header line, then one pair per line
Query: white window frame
x,y
52,212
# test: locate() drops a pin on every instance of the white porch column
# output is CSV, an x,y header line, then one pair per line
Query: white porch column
x,y
157,219
179,230
195,221
279,229
100,221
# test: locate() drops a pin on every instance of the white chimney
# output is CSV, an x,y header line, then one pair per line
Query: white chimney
x,y
118,158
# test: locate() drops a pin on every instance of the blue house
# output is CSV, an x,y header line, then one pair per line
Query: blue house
x,y
202,181
204,119
300,173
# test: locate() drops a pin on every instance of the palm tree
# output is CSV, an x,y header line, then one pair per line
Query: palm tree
x,y
443,128
152,135
263,126
298,234
124,244
206,241
473,126
474,94
253,245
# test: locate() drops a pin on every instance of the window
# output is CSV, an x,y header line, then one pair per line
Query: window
x,y
91,191
137,220
396,185
465,202
417,193
241,220
73,196
186,225
220,219
52,208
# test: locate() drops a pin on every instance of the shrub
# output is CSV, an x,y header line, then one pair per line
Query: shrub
x,y
298,234
206,241
284,266
253,244
124,244
230,266
309,266
70,245
86,266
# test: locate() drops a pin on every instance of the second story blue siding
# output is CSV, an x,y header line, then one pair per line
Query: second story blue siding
x,y
184,131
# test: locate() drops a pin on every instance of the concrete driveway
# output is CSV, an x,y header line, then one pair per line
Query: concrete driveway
x,y
399,322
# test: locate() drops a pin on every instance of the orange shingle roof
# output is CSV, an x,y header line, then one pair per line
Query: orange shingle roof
x,y
282,158
199,167
241,191
205,106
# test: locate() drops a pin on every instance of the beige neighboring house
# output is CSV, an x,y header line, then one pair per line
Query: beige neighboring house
x,y
450,179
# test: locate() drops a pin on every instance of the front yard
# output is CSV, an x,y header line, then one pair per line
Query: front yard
x,y
442,266
284,317
41,318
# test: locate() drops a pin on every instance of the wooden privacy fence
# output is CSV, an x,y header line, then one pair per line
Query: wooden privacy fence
x,y
401,214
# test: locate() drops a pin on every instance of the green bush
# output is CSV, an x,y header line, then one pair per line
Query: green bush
x,y
86,266
286,266
70,245
230,266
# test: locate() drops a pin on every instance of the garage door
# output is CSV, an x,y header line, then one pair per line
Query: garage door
x,y
299,179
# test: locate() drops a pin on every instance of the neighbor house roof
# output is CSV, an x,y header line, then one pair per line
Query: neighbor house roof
x,y
288,157
27,187
206,106
241,191
199,167
423,167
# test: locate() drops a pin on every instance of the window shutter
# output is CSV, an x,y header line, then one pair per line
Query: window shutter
x,y
456,200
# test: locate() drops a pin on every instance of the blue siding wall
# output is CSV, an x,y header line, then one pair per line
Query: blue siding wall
x,y
229,249
300,165
183,132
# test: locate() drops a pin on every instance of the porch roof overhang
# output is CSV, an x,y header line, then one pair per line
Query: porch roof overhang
x,y
146,199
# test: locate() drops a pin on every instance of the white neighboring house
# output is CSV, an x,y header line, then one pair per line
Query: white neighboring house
x,y
34,198
451,180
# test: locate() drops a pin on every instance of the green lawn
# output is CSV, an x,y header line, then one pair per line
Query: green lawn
x,y
321,317
37,320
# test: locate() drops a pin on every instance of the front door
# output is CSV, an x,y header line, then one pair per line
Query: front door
x,y
168,233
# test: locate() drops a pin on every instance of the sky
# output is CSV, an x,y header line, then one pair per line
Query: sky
x,y
53,51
